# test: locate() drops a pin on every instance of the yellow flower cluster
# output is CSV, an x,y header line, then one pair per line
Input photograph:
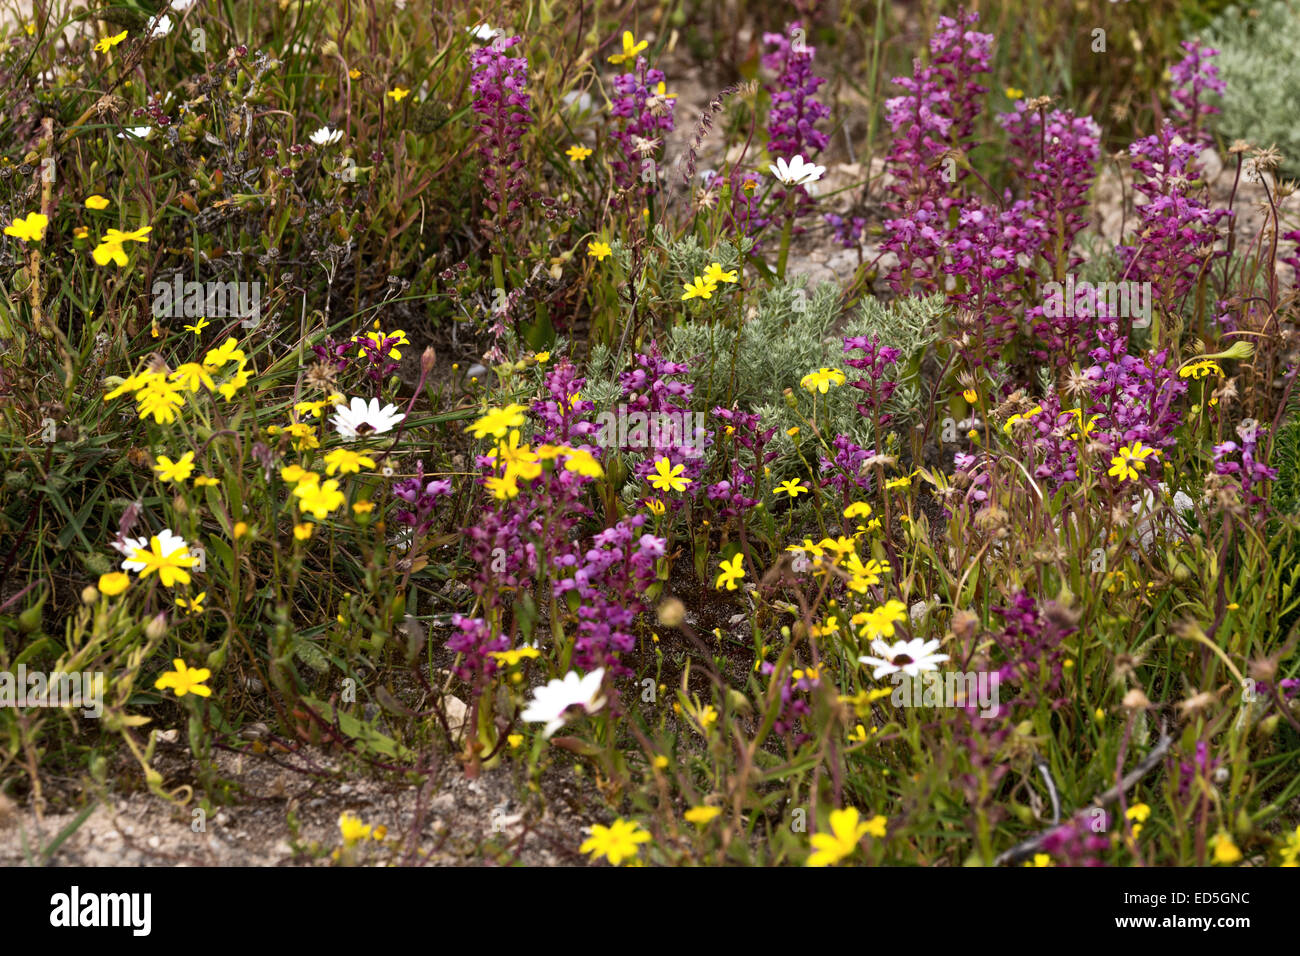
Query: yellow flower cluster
x,y
161,394
520,461
703,287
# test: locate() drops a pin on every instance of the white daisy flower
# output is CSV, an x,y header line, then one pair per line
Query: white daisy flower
x,y
161,27
550,703
129,546
358,419
910,657
326,136
797,172
168,543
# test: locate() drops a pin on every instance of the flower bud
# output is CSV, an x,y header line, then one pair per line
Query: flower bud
x,y
156,629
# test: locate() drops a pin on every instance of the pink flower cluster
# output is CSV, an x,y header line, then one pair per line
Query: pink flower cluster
x,y
611,579
644,113
653,385
499,84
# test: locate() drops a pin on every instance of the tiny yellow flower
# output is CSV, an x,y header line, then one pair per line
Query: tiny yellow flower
x,y
170,567
599,250
114,583
176,471
514,740
80,232
194,605
239,530
346,462
630,49
1016,418
661,762
96,202
1200,369
296,475
106,44
498,421
1225,851
699,288
970,395
822,380
319,498
1137,815
513,658
28,229
715,274
792,488
617,842
398,93
228,351
1138,812
1130,461
668,477
577,154
842,841
185,680
1013,93
502,488
655,506
362,507
204,481
303,531
352,828
732,571
111,246
702,816
879,623
544,357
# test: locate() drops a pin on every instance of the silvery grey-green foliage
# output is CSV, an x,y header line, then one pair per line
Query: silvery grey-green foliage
x,y
792,330
602,386
791,333
1259,60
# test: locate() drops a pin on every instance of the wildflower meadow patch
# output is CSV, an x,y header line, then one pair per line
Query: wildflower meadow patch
x,y
811,435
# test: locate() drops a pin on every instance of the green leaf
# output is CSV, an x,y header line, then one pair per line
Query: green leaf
x,y
365,734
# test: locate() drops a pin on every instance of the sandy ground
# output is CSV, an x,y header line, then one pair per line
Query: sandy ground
x,y
286,813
